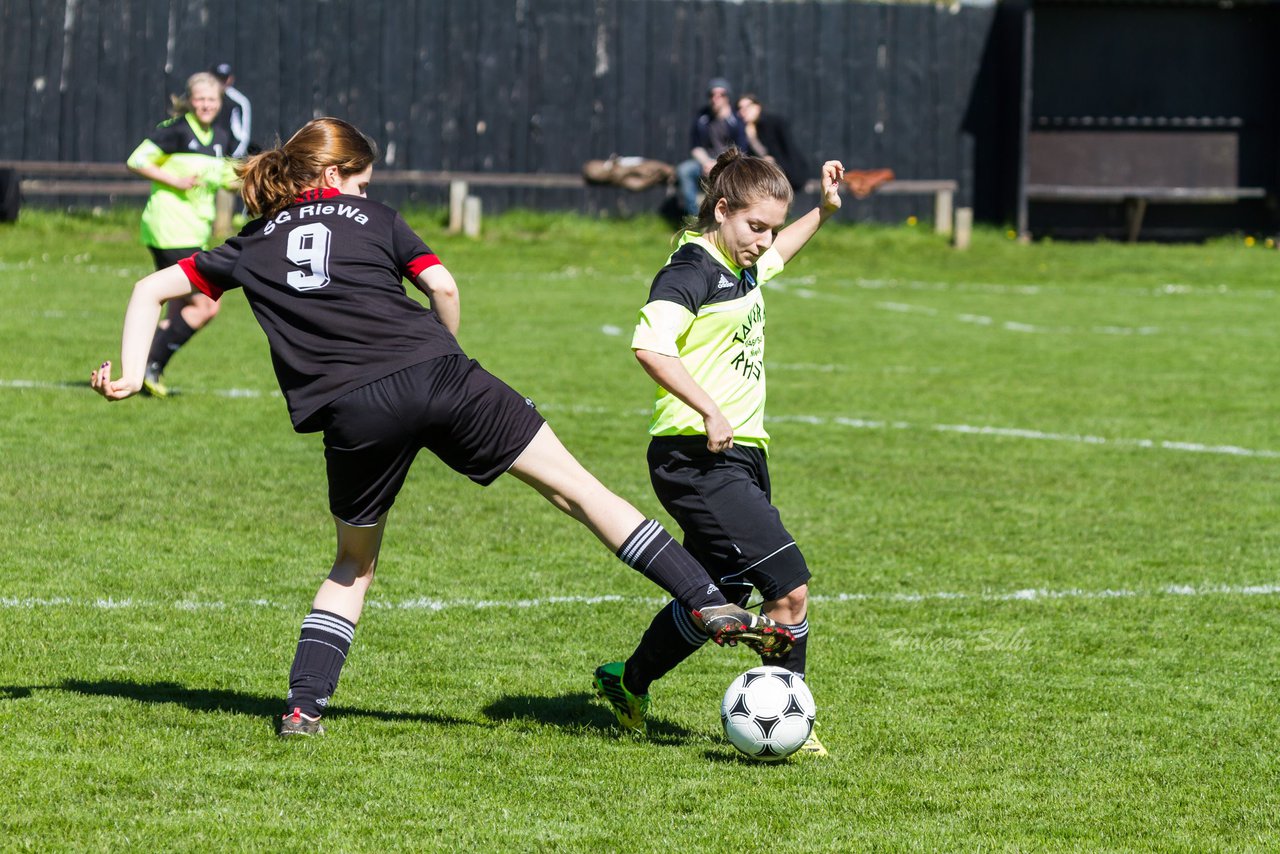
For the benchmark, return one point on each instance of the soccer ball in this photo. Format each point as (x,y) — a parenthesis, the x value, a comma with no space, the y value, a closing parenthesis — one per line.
(768,713)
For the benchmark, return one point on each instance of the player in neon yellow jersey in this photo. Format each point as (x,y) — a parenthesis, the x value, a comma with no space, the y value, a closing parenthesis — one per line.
(186,158)
(701,338)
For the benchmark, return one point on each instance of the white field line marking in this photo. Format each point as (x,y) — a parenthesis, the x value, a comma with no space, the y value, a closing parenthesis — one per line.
(979,319)
(84,386)
(1037,594)
(1020,433)
(1165,289)
(812,420)
(1169,289)
(1018,326)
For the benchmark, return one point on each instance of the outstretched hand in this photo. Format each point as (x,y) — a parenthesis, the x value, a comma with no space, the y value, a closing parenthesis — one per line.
(101,382)
(832,173)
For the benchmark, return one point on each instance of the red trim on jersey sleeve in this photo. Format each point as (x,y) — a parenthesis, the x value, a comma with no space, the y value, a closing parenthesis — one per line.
(315,194)
(197,279)
(422,262)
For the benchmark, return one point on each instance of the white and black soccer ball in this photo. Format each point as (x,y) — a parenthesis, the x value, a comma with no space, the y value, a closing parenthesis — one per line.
(768,713)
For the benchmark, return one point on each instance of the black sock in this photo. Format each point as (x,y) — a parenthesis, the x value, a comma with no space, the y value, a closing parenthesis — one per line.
(795,659)
(670,639)
(167,342)
(322,650)
(651,550)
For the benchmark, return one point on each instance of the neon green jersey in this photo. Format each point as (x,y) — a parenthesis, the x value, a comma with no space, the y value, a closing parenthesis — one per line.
(709,313)
(176,219)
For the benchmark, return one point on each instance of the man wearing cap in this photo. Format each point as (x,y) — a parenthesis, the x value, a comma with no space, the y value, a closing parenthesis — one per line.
(716,128)
(236,115)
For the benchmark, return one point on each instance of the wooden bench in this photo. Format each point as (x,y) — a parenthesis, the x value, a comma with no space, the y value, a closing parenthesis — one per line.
(52,178)
(943,191)
(55,178)
(1134,168)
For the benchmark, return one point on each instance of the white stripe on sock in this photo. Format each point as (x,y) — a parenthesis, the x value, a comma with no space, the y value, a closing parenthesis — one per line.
(329,625)
(799,629)
(641,540)
(692,635)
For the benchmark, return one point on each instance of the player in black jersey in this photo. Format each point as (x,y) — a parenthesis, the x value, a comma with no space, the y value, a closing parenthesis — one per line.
(382,377)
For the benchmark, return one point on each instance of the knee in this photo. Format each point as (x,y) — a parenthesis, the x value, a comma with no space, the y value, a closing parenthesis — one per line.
(791,607)
(198,314)
(349,569)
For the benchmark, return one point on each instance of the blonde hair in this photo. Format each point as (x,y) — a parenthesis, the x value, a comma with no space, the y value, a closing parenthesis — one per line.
(180,105)
(273,179)
(741,181)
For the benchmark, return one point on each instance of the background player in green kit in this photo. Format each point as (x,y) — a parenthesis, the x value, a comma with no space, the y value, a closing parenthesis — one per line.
(701,338)
(187,159)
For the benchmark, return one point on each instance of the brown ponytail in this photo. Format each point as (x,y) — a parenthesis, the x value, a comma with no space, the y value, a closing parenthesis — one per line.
(741,181)
(273,179)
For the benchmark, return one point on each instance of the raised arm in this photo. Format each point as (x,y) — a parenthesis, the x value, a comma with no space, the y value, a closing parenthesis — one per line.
(140,318)
(793,238)
(164,176)
(442,291)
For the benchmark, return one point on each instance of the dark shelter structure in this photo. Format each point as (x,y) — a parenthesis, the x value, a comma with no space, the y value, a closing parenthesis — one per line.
(1149,118)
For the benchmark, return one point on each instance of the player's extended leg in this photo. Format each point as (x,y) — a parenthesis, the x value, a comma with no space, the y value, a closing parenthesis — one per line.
(641,543)
(184,318)
(328,630)
(672,636)
(791,611)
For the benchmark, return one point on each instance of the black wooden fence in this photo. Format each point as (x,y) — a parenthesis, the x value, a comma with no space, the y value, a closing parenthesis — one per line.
(510,85)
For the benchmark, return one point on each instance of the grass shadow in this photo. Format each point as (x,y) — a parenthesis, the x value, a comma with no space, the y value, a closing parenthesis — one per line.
(209,699)
(577,711)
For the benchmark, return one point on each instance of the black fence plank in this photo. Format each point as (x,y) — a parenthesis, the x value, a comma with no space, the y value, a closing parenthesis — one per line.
(17,81)
(506,85)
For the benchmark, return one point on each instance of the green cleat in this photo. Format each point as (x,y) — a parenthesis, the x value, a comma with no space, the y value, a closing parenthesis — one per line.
(153,385)
(629,709)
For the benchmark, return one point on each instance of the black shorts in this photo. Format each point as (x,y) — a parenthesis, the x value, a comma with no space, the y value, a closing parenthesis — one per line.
(470,419)
(722,503)
(168,257)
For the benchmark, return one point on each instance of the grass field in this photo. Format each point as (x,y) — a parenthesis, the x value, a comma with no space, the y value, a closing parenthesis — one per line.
(1039,487)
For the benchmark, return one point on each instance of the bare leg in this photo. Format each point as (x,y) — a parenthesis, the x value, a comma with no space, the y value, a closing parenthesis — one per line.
(791,612)
(548,467)
(327,632)
(790,609)
(197,310)
(343,592)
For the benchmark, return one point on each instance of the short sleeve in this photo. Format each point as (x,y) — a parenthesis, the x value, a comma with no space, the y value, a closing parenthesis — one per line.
(211,272)
(412,255)
(661,326)
(769,265)
(146,153)
(682,282)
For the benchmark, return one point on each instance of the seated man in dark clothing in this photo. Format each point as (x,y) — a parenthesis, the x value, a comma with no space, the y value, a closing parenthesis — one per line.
(769,136)
(717,128)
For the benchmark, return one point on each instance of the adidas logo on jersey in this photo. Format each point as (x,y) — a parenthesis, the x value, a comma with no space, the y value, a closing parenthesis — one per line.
(725,282)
